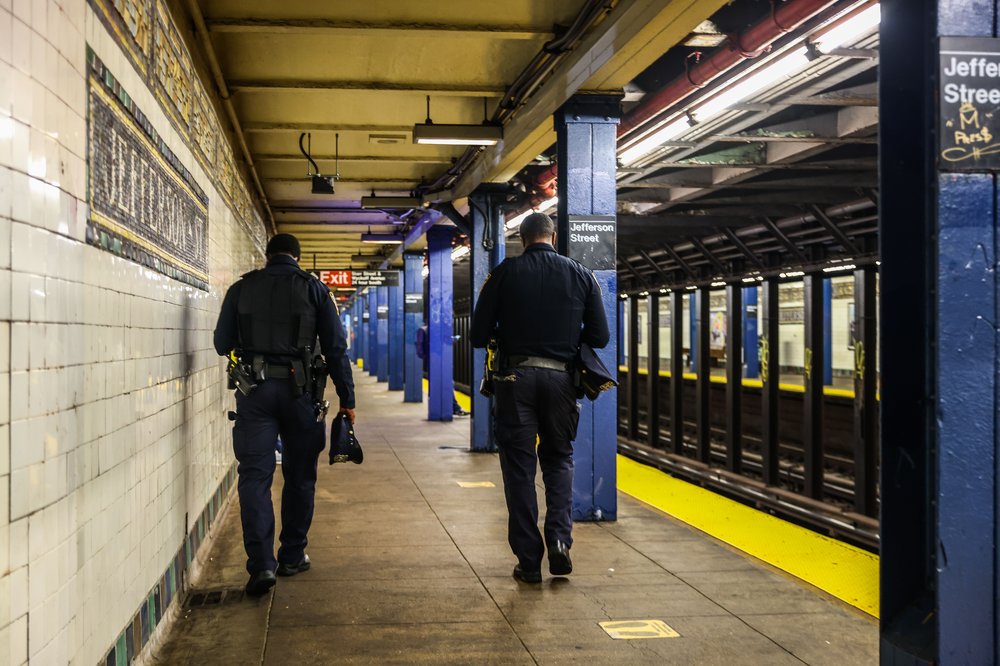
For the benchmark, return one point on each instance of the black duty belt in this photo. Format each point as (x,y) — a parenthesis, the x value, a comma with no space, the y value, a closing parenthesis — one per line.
(277,371)
(538,362)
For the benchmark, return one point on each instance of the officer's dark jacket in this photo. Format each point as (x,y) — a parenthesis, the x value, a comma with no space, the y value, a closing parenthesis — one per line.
(333,342)
(540,304)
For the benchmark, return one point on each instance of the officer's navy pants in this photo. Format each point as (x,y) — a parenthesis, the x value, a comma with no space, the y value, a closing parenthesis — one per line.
(538,402)
(270,409)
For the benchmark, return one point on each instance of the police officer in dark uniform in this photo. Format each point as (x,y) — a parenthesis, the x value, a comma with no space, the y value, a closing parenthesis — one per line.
(539,307)
(272,317)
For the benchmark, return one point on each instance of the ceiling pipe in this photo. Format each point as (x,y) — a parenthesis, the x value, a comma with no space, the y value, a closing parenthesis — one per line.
(735,49)
(227,103)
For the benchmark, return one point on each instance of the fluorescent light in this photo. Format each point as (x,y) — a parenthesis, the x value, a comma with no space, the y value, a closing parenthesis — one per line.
(850,30)
(384,239)
(750,279)
(425,271)
(791,274)
(457,135)
(540,208)
(663,291)
(654,140)
(842,267)
(459,252)
(718,284)
(391,202)
(767,76)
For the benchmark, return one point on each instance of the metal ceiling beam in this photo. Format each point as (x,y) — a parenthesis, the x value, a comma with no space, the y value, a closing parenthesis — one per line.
(655,222)
(835,231)
(423,88)
(326,127)
(716,264)
(409,159)
(620,47)
(679,261)
(333,27)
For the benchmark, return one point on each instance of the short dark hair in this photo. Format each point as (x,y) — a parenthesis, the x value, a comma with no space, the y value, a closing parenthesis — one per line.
(284,244)
(536,227)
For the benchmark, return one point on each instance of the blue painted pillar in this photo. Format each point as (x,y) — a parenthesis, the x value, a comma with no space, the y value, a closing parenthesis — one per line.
(751,354)
(693,325)
(355,331)
(827,332)
(440,312)
(488,248)
(413,319)
(396,350)
(939,297)
(371,361)
(382,334)
(586,128)
(620,327)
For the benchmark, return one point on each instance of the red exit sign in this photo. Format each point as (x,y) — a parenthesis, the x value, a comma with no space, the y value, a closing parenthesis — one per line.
(336,278)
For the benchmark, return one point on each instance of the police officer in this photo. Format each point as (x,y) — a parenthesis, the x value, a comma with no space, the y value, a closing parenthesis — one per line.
(273,317)
(539,307)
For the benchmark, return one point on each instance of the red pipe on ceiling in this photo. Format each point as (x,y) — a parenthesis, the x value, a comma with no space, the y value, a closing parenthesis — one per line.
(783,19)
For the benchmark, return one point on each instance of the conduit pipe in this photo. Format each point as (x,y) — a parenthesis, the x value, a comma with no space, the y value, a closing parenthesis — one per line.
(735,49)
(220,84)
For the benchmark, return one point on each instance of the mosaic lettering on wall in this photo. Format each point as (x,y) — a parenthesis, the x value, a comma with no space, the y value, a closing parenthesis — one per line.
(144,205)
(146,31)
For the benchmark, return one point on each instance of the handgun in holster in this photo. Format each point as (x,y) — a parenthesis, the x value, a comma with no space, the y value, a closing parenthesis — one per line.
(240,374)
(489,369)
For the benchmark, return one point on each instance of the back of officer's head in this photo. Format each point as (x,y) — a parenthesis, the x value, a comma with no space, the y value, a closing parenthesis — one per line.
(283,244)
(537,228)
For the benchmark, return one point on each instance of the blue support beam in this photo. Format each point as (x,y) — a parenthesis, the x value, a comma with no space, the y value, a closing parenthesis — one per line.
(751,354)
(420,227)
(586,141)
(371,361)
(396,350)
(827,332)
(939,301)
(382,334)
(413,319)
(441,310)
(488,248)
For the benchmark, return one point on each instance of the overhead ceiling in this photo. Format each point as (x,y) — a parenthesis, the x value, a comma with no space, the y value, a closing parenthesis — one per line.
(363,71)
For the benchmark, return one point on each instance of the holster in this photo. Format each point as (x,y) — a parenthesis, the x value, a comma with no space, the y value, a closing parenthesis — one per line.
(489,369)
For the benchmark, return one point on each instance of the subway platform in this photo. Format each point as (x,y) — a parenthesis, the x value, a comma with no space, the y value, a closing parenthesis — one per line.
(411,565)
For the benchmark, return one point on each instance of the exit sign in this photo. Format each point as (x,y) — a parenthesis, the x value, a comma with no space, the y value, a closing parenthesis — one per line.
(336,278)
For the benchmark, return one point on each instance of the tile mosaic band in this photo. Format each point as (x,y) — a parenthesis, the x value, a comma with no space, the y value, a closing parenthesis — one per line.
(136,634)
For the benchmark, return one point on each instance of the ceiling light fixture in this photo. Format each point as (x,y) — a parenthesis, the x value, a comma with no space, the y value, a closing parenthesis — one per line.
(374,201)
(765,76)
(486,134)
(320,184)
(516,221)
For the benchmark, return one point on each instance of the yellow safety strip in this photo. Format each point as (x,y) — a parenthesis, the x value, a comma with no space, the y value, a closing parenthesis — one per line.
(842,570)
(464,401)
(753,383)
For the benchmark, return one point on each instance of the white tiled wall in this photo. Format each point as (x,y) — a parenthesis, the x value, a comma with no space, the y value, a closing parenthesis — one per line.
(105,444)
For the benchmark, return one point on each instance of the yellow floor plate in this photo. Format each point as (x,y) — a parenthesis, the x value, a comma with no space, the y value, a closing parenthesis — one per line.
(464,401)
(636,629)
(846,572)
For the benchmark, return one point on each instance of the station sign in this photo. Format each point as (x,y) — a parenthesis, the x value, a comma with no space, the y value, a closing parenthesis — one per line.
(413,303)
(969,123)
(382,312)
(591,241)
(334,278)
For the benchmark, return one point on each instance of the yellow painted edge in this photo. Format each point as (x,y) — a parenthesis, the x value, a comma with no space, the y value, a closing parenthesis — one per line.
(464,401)
(361,363)
(753,383)
(844,571)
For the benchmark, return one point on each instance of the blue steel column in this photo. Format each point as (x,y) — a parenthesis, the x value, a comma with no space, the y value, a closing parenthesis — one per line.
(382,334)
(413,284)
(396,349)
(488,248)
(751,354)
(827,332)
(363,329)
(938,237)
(441,310)
(586,128)
(371,361)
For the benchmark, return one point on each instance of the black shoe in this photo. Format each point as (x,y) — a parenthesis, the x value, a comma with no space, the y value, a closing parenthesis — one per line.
(559,562)
(460,412)
(527,576)
(260,583)
(292,569)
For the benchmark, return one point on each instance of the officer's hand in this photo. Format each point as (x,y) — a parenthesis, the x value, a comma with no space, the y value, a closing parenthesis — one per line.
(349,413)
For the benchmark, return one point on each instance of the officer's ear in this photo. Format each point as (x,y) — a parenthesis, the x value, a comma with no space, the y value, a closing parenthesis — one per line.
(553,239)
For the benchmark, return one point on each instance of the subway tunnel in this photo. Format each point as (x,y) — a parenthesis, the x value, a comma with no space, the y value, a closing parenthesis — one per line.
(788,206)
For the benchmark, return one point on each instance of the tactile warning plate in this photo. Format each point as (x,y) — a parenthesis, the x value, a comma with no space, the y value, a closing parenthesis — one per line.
(476,484)
(635,629)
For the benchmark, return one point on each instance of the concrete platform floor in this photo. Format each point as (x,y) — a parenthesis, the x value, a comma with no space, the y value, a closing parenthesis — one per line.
(411,567)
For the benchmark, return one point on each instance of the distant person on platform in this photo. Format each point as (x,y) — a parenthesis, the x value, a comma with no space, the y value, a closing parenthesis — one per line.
(539,307)
(423,353)
(272,317)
